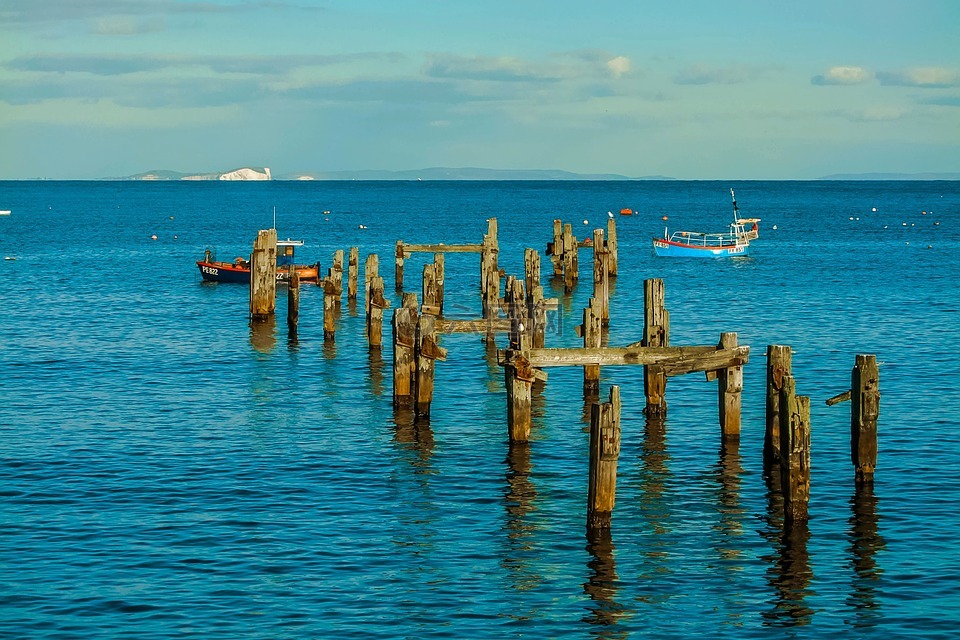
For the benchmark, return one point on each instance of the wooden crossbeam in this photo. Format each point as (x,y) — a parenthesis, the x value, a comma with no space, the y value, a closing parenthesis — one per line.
(447,325)
(440,248)
(674,360)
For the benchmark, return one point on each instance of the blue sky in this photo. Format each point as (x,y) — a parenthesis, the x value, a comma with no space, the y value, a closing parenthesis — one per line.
(698,89)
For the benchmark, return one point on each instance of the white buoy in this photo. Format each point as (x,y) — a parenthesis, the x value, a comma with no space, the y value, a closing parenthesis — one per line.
(874,209)
(774,227)
(585,222)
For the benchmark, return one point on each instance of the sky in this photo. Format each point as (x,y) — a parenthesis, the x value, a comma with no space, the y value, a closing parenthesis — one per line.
(690,89)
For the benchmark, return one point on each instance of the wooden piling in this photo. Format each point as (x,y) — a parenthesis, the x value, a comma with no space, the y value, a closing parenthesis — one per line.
(864,411)
(329,307)
(352,273)
(569,258)
(556,248)
(263,275)
(337,275)
(398,267)
(516,307)
(592,334)
(377,304)
(426,351)
(439,274)
(656,333)
(371,269)
(601,275)
(604,453)
(779,364)
(404,365)
(431,303)
(518,380)
(612,247)
(729,388)
(293,302)
(794,452)
(538,319)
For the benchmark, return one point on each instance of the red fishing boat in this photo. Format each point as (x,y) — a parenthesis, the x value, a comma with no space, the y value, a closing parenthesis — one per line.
(238,271)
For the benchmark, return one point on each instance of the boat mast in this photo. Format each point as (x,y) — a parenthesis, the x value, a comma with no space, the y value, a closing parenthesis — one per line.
(275,212)
(736,211)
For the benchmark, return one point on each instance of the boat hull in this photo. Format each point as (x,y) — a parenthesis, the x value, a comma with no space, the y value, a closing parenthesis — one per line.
(232,273)
(670,249)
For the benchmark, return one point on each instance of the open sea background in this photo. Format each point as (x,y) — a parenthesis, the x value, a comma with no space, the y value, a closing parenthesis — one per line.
(167,472)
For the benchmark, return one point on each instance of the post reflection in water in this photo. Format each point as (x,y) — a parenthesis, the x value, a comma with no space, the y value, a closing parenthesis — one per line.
(652,479)
(789,574)
(865,541)
(729,525)
(601,585)
(417,436)
(411,477)
(375,362)
(519,497)
(263,334)
(791,579)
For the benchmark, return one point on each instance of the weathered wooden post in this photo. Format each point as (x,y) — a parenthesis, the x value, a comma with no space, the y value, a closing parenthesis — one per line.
(352,273)
(592,334)
(864,411)
(569,258)
(377,304)
(612,247)
(438,261)
(293,302)
(516,307)
(538,319)
(263,275)
(729,388)
(426,351)
(371,269)
(604,453)
(329,307)
(404,364)
(398,267)
(794,452)
(601,275)
(656,333)
(779,364)
(518,380)
(431,303)
(337,274)
(556,248)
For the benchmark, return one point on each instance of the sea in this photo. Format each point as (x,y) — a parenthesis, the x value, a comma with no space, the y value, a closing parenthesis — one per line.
(169,471)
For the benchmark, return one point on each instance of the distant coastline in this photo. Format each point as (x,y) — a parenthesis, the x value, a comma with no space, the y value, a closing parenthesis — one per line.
(474,174)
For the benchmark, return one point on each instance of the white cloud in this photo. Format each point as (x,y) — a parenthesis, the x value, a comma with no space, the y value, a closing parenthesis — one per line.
(842,76)
(618,66)
(927,77)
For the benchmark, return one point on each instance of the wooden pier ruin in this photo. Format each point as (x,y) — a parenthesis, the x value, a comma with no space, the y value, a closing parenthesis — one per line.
(520,313)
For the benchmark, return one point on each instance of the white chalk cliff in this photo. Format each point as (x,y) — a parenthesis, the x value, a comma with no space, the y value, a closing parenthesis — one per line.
(247,174)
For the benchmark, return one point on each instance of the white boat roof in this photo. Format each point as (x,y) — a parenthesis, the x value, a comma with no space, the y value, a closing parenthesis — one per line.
(748,220)
(289,243)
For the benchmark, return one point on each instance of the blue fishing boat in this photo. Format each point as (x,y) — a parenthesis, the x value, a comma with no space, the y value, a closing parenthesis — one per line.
(694,244)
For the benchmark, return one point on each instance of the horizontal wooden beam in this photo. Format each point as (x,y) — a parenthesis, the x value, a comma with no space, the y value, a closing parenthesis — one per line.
(446,325)
(841,397)
(441,248)
(674,360)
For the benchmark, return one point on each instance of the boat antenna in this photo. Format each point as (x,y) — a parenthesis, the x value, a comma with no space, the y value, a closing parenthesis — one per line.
(736,211)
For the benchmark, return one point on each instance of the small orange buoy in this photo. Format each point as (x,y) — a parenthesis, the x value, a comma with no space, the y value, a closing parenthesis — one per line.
(664,218)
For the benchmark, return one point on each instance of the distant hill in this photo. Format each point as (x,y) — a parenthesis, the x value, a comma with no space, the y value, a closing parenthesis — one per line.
(892,176)
(463,173)
(244,173)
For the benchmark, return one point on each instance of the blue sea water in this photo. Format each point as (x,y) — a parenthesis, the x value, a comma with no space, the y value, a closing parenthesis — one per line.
(166,471)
